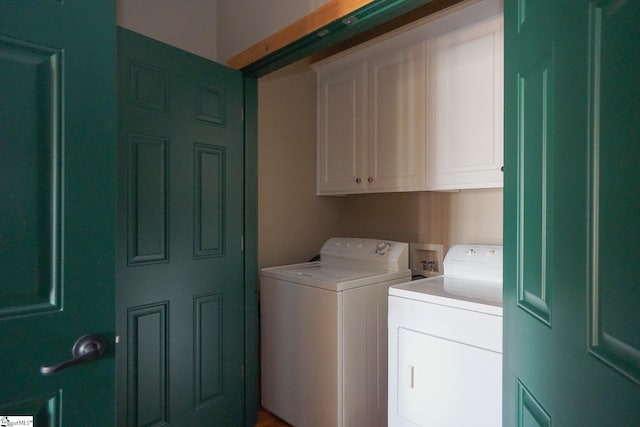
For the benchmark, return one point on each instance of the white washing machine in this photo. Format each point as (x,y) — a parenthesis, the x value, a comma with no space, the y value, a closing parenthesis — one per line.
(445,344)
(324,334)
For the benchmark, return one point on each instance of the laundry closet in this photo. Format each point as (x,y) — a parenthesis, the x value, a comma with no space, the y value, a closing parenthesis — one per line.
(373,142)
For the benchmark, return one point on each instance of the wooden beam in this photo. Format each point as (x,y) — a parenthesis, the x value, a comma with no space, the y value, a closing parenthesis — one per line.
(324,15)
(418,13)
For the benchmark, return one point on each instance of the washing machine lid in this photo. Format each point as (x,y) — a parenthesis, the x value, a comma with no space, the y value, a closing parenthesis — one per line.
(483,296)
(332,277)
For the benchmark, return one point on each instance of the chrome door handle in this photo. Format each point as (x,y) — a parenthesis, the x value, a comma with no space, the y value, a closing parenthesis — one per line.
(86,349)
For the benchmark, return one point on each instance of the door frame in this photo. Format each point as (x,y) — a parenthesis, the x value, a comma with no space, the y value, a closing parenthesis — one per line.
(251,326)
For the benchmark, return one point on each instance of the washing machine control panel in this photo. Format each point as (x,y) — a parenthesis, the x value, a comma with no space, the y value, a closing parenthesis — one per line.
(378,254)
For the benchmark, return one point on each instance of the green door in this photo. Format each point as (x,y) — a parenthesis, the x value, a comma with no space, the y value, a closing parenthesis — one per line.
(57,208)
(180,292)
(572,213)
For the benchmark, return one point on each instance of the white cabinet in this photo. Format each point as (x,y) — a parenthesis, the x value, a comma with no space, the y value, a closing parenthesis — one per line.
(419,109)
(466,81)
(396,144)
(371,122)
(341,128)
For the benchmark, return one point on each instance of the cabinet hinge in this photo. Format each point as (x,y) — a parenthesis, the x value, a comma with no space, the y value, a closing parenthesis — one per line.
(242,243)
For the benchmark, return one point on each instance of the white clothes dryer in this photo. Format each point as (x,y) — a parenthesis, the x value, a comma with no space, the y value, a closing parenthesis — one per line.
(324,334)
(445,344)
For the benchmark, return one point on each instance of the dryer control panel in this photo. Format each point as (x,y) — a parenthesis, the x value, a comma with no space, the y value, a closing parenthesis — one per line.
(478,262)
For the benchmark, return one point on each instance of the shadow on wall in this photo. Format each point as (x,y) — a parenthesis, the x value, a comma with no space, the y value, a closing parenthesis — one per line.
(293,222)
(447,218)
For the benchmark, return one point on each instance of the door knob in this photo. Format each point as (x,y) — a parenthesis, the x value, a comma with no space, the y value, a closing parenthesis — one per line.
(86,349)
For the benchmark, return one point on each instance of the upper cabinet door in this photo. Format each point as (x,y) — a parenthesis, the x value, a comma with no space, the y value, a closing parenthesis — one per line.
(341,127)
(397,117)
(371,120)
(466,147)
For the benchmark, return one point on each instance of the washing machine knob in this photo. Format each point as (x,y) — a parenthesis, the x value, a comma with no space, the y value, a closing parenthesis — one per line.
(382,248)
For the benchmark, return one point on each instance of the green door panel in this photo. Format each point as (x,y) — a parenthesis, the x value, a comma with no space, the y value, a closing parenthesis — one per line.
(614,204)
(572,235)
(57,207)
(180,260)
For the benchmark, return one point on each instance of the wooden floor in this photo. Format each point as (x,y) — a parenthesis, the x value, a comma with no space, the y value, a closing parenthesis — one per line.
(266,419)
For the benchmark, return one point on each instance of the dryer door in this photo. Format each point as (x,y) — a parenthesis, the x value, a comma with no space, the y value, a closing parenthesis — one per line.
(445,365)
(446,383)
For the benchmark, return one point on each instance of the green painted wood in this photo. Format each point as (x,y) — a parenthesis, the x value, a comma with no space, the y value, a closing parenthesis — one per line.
(57,206)
(361,20)
(614,155)
(180,263)
(571,234)
(251,315)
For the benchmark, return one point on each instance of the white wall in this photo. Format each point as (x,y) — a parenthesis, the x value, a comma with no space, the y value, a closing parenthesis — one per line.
(190,25)
(292,222)
(243,23)
(214,29)
(446,218)
(475,216)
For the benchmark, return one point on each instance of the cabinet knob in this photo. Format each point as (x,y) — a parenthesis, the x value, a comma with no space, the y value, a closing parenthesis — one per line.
(370,179)
(501,168)
(358,180)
